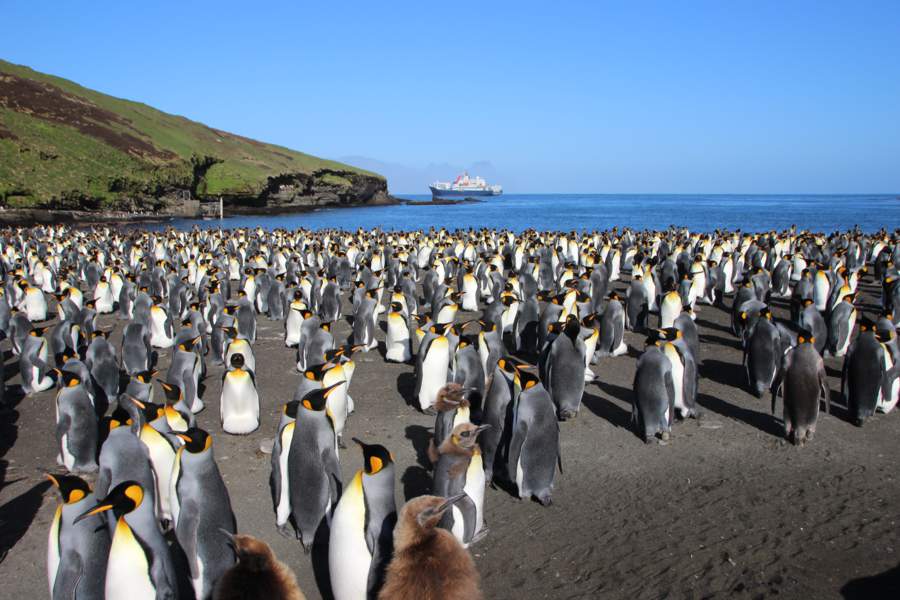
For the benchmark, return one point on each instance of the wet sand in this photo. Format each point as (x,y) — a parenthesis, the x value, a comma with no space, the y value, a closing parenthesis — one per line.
(725,510)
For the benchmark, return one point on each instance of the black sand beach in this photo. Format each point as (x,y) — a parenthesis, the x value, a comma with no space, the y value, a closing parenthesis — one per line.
(726,509)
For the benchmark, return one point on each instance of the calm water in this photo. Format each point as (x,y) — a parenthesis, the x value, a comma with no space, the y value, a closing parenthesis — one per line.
(599,211)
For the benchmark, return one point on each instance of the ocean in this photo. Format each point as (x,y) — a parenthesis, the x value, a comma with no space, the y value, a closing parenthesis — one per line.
(566,212)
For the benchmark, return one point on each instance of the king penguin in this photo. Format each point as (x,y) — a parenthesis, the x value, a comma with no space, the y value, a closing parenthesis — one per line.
(361,540)
(76,552)
(76,425)
(134,569)
(418,540)
(460,470)
(239,404)
(534,452)
(802,379)
(314,474)
(432,366)
(201,511)
(653,405)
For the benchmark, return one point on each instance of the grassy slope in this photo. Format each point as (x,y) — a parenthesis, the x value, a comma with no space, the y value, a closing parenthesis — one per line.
(61,159)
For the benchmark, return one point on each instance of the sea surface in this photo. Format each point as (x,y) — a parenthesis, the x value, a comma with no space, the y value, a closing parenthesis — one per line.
(581,212)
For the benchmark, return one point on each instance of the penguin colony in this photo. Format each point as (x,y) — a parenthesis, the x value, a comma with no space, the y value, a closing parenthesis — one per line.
(542,322)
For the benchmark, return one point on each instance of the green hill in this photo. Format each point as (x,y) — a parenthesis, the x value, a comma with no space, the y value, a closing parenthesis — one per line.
(68,147)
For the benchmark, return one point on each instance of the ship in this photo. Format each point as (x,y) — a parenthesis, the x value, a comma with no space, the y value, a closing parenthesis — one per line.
(464,187)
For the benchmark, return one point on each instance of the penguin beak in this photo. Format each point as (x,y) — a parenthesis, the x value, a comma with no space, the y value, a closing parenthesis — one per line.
(449,502)
(481,428)
(137,402)
(96,510)
(229,535)
(331,388)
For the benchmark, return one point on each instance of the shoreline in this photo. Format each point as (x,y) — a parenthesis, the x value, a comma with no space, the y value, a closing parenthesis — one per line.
(29,217)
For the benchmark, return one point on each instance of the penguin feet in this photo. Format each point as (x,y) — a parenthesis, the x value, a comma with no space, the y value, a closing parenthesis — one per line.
(566,414)
(478,536)
(266,445)
(287,531)
(340,442)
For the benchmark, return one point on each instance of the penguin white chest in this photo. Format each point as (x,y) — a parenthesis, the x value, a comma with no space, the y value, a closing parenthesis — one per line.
(677,376)
(434,371)
(127,570)
(348,554)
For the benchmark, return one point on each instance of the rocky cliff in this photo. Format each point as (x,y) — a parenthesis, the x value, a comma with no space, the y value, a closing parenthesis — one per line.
(66,148)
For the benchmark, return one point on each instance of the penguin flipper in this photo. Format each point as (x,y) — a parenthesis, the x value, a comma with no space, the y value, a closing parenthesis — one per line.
(187,532)
(670,391)
(520,433)
(469,513)
(68,574)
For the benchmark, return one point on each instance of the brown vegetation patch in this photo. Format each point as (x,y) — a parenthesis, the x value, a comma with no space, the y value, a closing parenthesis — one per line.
(50,103)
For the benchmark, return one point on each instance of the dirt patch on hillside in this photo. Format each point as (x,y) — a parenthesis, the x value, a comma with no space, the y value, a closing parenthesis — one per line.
(50,103)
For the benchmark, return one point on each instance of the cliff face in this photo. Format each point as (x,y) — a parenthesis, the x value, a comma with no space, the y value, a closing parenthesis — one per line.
(303,191)
(64,147)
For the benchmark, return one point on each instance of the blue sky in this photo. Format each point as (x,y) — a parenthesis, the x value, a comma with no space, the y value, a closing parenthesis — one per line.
(752,97)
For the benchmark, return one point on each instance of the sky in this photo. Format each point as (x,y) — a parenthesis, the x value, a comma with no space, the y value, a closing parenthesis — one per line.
(579,97)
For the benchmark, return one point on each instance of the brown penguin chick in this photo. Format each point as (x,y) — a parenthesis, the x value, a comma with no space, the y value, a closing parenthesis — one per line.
(256,574)
(429,563)
(449,398)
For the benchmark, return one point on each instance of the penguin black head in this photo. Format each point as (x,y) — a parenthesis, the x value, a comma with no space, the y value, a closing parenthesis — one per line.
(506,366)
(237,360)
(527,378)
(572,327)
(487,327)
(669,334)
(804,336)
(317,372)
(439,328)
(71,488)
(884,336)
(69,378)
(396,307)
(150,410)
(172,392)
(326,326)
(188,345)
(298,295)
(145,376)
(122,499)
(37,331)
(866,324)
(316,399)
(290,409)
(196,440)
(375,457)
(509,300)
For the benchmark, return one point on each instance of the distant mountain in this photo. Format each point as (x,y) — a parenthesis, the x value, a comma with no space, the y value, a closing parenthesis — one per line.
(68,147)
(404,179)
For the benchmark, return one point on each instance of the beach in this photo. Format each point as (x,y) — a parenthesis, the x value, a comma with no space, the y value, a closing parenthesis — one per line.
(726,509)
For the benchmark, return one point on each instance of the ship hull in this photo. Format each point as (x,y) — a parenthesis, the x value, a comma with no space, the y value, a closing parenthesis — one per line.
(437,193)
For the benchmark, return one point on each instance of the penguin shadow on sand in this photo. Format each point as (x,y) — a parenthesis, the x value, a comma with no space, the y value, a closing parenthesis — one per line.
(726,373)
(406,386)
(883,585)
(17,514)
(761,420)
(416,479)
(706,338)
(319,557)
(606,409)
(715,326)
